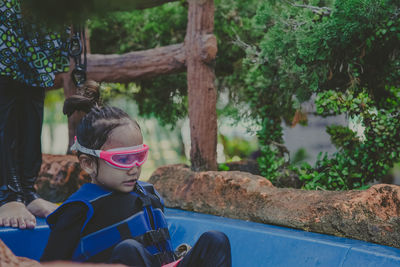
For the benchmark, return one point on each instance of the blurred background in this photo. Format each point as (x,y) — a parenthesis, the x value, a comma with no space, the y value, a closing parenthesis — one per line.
(168,145)
(308,89)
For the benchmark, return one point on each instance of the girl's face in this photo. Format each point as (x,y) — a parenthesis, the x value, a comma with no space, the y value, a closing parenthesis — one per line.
(123,180)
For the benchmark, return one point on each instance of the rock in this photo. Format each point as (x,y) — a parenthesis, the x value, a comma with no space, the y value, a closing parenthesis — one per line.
(59,177)
(372,215)
(8,259)
(76,264)
(223,193)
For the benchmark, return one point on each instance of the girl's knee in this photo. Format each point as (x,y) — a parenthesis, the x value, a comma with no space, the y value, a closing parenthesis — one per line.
(127,246)
(216,237)
(127,252)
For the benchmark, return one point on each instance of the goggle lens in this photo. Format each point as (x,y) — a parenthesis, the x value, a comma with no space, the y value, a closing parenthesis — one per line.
(130,159)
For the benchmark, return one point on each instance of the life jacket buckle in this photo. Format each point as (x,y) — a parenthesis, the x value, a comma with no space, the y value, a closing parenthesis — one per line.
(145,201)
(156,236)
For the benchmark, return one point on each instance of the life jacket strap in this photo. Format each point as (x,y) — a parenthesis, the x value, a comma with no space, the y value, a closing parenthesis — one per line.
(133,227)
(146,201)
(165,257)
(153,237)
(124,231)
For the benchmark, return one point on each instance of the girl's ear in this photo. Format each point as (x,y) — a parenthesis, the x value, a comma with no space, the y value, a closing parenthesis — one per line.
(88,165)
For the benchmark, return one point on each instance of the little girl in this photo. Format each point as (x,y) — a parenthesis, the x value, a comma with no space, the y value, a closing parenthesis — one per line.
(116,218)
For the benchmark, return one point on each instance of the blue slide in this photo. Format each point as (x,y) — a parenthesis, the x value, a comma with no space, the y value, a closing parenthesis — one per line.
(253,244)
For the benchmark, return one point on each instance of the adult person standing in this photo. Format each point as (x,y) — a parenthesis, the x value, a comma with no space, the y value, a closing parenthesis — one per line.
(29,59)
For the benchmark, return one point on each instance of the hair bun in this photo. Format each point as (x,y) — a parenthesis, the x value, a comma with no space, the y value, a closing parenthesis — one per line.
(91,90)
(87,98)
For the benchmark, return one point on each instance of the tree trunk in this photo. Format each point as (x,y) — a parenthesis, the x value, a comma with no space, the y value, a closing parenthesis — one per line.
(202,93)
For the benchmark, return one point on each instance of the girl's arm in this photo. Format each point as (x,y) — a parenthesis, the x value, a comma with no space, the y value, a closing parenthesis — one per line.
(65,234)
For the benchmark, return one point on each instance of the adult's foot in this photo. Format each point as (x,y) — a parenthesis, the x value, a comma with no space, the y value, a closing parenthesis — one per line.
(15,214)
(41,208)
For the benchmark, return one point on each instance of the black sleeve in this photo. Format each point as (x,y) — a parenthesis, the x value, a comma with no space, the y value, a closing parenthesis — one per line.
(65,234)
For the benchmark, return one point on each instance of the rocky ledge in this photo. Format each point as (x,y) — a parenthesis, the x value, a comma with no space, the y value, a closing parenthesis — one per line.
(371,215)
(59,177)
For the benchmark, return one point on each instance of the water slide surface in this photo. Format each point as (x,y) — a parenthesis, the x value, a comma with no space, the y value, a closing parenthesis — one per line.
(253,244)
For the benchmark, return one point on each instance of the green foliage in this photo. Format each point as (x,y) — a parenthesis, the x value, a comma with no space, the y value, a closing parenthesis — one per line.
(347,52)
(273,55)
(223,167)
(299,157)
(236,148)
(59,13)
(165,97)
(53,104)
(342,137)
(123,32)
(359,161)
(271,161)
(169,108)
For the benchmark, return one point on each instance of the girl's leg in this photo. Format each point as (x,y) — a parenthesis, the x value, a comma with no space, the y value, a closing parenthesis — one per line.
(130,252)
(12,208)
(211,250)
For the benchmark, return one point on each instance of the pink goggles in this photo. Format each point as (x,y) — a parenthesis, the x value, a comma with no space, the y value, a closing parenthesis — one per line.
(122,158)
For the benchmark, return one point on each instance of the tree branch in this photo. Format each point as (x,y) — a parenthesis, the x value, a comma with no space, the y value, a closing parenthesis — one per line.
(137,65)
(315,9)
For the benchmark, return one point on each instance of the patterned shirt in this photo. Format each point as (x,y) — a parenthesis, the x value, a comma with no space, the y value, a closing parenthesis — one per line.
(28,54)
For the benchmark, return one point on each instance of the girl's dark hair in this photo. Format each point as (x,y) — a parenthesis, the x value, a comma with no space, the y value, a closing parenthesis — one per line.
(95,127)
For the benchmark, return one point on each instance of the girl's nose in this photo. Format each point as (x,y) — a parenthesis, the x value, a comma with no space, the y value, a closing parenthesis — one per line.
(133,170)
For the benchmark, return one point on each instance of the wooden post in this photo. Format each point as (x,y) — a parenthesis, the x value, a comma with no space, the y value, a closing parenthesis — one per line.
(69,90)
(202,93)
(64,80)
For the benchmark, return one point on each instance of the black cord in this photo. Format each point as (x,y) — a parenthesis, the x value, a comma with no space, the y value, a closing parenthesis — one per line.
(77,46)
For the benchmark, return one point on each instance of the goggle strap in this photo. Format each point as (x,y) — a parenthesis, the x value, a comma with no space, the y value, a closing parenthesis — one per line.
(78,147)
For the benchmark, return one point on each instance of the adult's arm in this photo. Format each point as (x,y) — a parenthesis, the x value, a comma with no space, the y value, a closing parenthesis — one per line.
(65,234)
